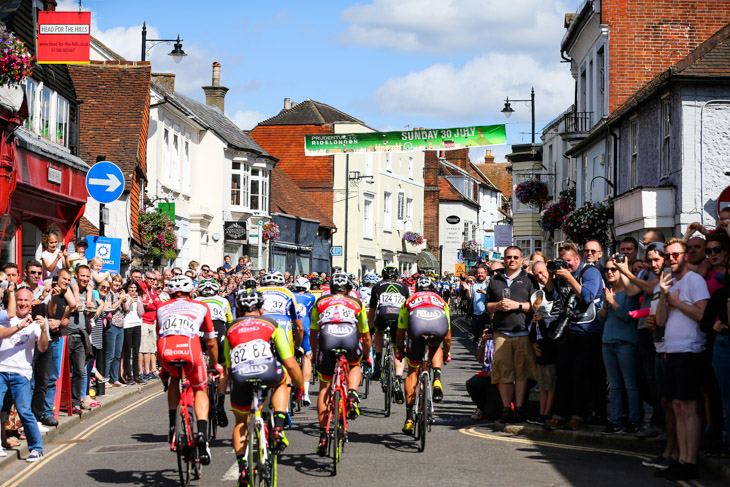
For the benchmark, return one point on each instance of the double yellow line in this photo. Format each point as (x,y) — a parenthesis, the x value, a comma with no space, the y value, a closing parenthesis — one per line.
(473,432)
(31,469)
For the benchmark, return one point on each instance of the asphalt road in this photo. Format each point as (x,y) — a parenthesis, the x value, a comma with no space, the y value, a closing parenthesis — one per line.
(127,446)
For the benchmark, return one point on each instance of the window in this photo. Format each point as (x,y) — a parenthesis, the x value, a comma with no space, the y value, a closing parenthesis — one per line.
(175,176)
(45,112)
(240,176)
(369,164)
(367,223)
(465,232)
(401,206)
(524,245)
(30,91)
(259,190)
(634,144)
(389,161)
(410,167)
(166,155)
(601,61)
(387,211)
(409,209)
(666,132)
(61,135)
(520,207)
(186,166)
(583,90)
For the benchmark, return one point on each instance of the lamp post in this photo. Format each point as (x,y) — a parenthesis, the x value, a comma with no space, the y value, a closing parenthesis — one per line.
(508,110)
(177,53)
(351,176)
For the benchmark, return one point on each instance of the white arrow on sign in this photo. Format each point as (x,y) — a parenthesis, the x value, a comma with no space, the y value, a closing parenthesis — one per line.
(111,183)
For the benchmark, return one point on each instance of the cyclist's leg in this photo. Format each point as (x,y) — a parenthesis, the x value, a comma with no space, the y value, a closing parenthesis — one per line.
(400,365)
(306,365)
(378,350)
(241,399)
(415,352)
(436,355)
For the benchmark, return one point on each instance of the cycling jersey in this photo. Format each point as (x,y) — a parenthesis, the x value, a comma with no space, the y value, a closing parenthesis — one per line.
(338,318)
(305,303)
(352,293)
(220,312)
(178,324)
(255,346)
(281,305)
(386,298)
(365,293)
(424,313)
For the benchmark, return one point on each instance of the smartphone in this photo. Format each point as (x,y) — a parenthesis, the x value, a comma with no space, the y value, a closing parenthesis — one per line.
(54,281)
(63,247)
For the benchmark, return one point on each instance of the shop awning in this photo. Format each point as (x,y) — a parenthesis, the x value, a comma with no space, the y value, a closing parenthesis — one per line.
(427,261)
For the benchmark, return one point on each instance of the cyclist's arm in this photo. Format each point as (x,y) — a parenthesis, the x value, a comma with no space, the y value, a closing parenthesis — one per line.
(209,335)
(447,338)
(362,326)
(284,351)
(314,329)
(227,353)
(296,320)
(400,337)
(229,316)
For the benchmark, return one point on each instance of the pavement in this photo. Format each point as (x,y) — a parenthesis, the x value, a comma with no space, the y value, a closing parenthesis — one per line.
(112,397)
(591,435)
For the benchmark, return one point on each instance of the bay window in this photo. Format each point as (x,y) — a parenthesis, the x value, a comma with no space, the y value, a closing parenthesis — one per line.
(249,188)
(48,113)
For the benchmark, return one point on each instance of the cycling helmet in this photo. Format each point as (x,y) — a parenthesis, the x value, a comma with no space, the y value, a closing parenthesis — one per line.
(339,282)
(390,272)
(370,280)
(425,283)
(314,282)
(180,284)
(250,283)
(274,278)
(301,284)
(208,287)
(250,300)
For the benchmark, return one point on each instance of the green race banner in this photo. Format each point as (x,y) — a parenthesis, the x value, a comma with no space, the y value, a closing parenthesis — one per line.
(405,141)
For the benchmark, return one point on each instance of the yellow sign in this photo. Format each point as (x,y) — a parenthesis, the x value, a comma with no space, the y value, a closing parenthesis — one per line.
(460,270)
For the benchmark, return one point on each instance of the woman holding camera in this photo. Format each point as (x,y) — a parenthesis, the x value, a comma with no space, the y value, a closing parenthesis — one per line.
(620,352)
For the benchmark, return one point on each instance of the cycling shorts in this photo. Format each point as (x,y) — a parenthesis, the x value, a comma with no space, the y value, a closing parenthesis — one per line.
(435,324)
(416,346)
(387,321)
(337,336)
(220,337)
(242,386)
(180,347)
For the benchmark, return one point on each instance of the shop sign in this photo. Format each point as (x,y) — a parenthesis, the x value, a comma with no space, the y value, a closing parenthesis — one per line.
(54,175)
(502,235)
(64,37)
(108,249)
(453,220)
(405,141)
(723,200)
(234,232)
(168,209)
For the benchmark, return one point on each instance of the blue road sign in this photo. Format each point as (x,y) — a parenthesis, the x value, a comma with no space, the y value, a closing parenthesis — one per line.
(109,249)
(105,182)
(336,251)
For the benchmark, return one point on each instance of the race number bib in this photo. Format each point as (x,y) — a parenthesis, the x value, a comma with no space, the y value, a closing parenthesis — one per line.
(391,299)
(274,305)
(217,313)
(178,325)
(301,311)
(251,352)
(337,314)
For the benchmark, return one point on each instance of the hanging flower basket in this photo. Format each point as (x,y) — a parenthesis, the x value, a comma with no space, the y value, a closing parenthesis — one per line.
(15,60)
(413,238)
(270,231)
(533,193)
(158,233)
(554,215)
(589,222)
(470,246)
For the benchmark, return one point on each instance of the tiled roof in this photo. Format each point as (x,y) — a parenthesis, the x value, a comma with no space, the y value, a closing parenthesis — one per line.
(480,176)
(499,175)
(448,192)
(288,198)
(114,106)
(310,112)
(709,59)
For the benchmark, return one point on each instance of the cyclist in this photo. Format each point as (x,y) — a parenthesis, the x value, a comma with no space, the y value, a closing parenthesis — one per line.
(366,289)
(314,286)
(305,303)
(281,305)
(338,321)
(385,301)
(178,323)
(220,313)
(256,348)
(423,313)
(249,284)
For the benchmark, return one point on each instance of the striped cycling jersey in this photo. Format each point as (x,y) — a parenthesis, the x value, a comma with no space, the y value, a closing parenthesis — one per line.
(305,303)
(421,300)
(220,308)
(281,306)
(338,308)
(254,339)
(184,317)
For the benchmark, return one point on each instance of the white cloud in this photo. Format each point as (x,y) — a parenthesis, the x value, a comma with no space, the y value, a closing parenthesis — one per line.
(247,119)
(439,26)
(476,91)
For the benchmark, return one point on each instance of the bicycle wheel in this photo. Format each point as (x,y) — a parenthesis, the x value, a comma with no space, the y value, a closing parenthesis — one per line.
(335,431)
(252,448)
(182,447)
(423,415)
(366,378)
(388,385)
(429,404)
(193,457)
(213,411)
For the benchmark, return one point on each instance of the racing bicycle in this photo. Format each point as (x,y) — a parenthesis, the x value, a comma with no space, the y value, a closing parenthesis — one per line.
(261,454)
(388,379)
(336,427)
(184,440)
(423,407)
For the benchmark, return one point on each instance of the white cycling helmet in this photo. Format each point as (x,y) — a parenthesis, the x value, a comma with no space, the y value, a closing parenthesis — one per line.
(180,284)
(273,277)
(208,287)
(371,279)
(301,284)
(425,283)
(250,301)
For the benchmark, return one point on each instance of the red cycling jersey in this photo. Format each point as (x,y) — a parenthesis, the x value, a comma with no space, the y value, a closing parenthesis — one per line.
(178,323)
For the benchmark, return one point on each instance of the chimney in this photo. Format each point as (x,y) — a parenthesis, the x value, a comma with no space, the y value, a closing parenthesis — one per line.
(287,103)
(165,80)
(488,157)
(293,104)
(215,94)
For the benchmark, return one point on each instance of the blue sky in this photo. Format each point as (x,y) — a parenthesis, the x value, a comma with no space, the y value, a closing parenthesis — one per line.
(390,63)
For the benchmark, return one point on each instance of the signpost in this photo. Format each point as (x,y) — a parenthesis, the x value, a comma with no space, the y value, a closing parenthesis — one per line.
(105,182)
(259,230)
(108,249)
(502,235)
(336,251)
(460,270)
(64,37)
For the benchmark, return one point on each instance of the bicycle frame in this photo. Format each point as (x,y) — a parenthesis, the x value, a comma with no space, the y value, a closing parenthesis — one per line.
(183,440)
(388,369)
(336,413)
(424,412)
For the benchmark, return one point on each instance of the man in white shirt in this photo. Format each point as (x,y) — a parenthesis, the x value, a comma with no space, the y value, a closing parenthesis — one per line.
(19,335)
(682,301)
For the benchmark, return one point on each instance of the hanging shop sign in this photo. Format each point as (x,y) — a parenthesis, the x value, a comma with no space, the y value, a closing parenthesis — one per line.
(64,37)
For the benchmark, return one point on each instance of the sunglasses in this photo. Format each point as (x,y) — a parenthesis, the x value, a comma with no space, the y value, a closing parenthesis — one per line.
(611,269)
(104,288)
(674,255)
(151,278)
(177,273)
(714,250)
(590,251)
(512,257)
(35,273)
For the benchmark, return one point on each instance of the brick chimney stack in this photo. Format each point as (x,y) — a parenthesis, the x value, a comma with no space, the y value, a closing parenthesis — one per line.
(488,157)
(215,94)
(287,103)
(165,80)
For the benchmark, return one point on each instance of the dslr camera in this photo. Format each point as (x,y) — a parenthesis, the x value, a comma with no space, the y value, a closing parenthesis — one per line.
(620,258)
(555,264)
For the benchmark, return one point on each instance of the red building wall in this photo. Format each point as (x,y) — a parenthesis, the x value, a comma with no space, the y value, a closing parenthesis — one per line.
(648,36)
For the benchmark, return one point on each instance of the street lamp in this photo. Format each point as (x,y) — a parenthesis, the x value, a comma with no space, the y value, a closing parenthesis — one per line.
(508,110)
(177,53)
(351,176)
